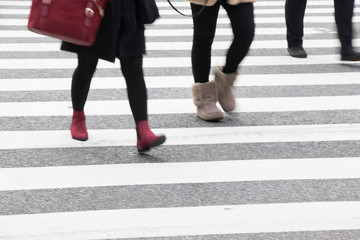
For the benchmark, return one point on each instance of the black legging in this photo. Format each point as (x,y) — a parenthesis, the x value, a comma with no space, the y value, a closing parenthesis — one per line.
(243,26)
(133,72)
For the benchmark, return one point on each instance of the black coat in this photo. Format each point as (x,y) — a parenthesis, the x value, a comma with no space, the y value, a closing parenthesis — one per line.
(121,32)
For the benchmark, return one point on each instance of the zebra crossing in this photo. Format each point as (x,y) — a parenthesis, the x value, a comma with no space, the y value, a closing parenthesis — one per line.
(284,165)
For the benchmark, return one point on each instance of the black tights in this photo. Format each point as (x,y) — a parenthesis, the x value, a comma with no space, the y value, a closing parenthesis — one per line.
(243,26)
(133,72)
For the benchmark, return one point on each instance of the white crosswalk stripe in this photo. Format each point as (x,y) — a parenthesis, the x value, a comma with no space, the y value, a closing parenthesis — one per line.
(186,136)
(181,221)
(166,106)
(170,173)
(169,62)
(284,165)
(158,46)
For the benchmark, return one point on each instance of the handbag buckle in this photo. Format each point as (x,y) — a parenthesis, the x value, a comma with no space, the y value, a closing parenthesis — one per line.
(89,12)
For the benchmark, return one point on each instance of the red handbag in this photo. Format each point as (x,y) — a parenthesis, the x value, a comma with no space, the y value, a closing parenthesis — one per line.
(74,21)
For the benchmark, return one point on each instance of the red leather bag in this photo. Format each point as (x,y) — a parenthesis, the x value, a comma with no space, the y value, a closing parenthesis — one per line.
(74,21)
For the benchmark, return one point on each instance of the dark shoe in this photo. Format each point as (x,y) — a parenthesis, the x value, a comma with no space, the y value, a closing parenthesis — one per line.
(297,52)
(78,126)
(350,55)
(146,139)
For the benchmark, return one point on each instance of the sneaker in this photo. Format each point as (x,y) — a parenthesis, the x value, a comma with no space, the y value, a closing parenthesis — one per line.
(297,52)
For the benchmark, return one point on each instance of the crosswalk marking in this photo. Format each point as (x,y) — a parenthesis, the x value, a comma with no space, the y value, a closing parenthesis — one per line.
(159,46)
(175,32)
(174,173)
(171,12)
(185,136)
(186,221)
(167,62)
(171,21)
(166,106)
(253,80)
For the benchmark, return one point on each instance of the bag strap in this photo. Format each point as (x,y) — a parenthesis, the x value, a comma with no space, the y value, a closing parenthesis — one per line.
(101,6)
(190,15)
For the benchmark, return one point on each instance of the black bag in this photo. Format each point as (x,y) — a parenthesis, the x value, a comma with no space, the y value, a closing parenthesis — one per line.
(147,11)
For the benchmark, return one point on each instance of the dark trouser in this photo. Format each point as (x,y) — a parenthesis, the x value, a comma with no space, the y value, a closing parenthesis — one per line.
(133,73)
(344,10)
(243,26)
(294,16)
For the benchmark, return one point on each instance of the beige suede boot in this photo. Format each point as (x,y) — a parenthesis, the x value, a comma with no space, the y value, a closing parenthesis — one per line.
(224,85)
(204,96)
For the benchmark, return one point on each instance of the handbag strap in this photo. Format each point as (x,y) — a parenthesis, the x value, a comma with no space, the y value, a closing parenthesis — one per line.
(101,6)
(190,15)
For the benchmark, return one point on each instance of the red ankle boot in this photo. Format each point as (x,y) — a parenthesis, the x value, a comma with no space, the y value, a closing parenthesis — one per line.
(78,126)
(146,139)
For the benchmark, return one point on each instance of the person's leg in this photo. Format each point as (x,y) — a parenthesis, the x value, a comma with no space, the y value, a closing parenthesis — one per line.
(204,91)
(294,18)
(81,81)
(344,11)
(204,31)
(243,26)
(80,86)
(343,17)
(132,69)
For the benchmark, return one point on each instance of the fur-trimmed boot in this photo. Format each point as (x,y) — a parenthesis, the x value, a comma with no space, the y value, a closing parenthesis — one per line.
(224,85)
(146,139)
(204,97)
(78,126)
